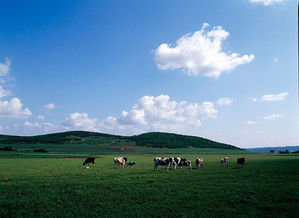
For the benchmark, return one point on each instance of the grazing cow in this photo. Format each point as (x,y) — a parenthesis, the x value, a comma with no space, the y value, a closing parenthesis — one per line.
(160,161)
(224,161)
(171,163)
(130,164)
(164,161)
(240,162)
(199,162)
(178,160)
(185,163)
(86,167)
(89,160)
(121,161)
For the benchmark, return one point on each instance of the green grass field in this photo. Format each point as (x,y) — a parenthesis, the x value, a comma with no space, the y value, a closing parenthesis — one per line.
(55,185)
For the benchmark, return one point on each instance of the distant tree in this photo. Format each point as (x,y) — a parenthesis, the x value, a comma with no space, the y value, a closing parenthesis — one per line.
(272,151)
(40,150)
(284,152)
(7,148)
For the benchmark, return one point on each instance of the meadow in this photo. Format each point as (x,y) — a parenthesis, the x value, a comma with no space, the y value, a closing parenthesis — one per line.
(55,185)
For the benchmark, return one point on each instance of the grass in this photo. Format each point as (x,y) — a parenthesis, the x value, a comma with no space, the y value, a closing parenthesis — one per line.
(52,185)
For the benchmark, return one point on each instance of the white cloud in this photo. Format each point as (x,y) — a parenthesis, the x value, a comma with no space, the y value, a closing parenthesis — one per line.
(224,101)
(4,92)
(40,117)
(13,109)
(5,67)
(253,100)
(29,124)
(4,70)
(200,53)
(266,2)
(149,114)
(161,114)
(272,116)
(44,126)
(81,121)
(251,122)
(276,60)
(274,97)
(50,106)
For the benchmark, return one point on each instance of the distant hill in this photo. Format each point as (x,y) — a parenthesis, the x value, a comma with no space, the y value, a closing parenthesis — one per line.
(152,139)
(170,140)
(276,149)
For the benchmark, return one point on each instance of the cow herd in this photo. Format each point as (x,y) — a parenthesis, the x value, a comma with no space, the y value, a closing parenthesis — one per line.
(171,163)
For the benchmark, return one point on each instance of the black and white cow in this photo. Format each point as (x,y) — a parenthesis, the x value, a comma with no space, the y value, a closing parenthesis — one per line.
(89,160)
(169,162)
(130,164)
(185,163)
(224,161)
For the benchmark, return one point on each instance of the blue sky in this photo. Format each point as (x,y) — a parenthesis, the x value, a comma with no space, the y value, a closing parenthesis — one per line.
(221,69)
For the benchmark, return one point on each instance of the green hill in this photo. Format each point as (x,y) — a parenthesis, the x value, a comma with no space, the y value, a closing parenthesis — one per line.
(152,139)
(170,140)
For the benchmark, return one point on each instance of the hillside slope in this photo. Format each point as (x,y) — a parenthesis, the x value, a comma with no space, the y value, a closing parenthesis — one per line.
(152,139)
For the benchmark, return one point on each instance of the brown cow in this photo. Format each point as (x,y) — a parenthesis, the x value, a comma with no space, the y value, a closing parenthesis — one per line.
(240,162)
(199,162)
(121,161)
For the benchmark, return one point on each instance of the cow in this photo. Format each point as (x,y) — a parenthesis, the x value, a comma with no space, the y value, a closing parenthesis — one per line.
(183,162)
(121,161)
(86,167)
(187,163)
(164,161)
(89,160)
(199,162)
(240,162)
(224,161)
(178,160)
(172,164)
(130,164)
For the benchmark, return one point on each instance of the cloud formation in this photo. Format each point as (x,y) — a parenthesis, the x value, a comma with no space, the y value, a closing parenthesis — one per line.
(13,108)
(50,106)
(224,101)
(272,116)
(149,114)
(44,126)
(251,122)
(274,97)
(40,117)
(200,53)
(5,67)
(4,92)
(266,2)
(81,121)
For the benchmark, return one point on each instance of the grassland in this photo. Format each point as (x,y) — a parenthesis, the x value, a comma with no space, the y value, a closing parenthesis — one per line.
(55,185)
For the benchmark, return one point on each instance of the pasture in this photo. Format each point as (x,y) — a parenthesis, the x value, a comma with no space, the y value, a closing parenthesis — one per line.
(55,185)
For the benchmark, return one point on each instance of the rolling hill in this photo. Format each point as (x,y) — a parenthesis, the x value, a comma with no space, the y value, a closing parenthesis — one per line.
(151,139)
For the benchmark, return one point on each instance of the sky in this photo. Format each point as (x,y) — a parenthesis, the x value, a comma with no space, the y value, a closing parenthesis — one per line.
(220,69)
